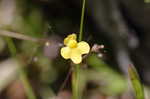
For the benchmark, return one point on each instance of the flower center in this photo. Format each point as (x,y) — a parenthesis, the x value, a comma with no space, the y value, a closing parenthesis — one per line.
(72,43)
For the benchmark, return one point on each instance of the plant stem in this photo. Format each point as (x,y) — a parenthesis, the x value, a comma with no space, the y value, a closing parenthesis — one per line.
(75,82)
(76,72)
(17,35)
(23,76)
(82,21)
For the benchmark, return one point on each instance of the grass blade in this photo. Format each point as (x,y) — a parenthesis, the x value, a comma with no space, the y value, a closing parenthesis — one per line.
(136,83)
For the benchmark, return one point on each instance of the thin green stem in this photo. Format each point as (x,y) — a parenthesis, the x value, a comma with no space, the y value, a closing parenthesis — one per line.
(75,82)
(23,75)
(76,72)
(82,21)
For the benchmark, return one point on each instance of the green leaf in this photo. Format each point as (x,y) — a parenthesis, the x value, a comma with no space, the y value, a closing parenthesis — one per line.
(136,83)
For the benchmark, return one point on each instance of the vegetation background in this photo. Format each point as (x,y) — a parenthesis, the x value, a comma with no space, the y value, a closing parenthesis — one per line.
(32,32)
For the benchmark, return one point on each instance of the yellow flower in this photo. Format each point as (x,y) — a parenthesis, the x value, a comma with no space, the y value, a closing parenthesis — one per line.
(73,49)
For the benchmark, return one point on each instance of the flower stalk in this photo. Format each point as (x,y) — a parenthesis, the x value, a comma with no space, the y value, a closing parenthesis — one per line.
(82,21)
(75,75)
(75,82)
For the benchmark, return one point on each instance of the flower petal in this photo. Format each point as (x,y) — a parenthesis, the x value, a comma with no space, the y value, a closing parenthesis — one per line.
(72,36)
(65,52)
(83,47)
(76,56)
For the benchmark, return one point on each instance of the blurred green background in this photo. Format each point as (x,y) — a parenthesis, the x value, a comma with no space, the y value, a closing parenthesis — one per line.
(32,33)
